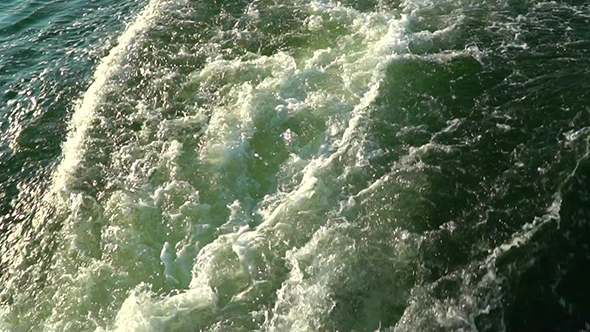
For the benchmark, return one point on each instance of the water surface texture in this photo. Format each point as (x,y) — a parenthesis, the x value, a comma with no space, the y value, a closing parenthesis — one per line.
(294,165)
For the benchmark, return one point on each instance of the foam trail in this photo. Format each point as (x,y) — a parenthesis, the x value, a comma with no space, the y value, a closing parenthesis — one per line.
(245,267)
(85,113)
(33,250)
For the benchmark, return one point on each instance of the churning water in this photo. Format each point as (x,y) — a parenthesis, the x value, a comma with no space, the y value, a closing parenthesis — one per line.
(295,165)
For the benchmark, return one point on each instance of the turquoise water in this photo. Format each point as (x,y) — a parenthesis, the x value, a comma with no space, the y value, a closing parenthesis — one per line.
(294,165)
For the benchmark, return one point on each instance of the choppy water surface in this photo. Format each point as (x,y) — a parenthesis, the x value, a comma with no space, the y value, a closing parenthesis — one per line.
(295,165)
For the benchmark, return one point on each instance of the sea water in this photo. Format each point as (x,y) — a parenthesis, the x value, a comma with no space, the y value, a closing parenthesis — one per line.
(294,165)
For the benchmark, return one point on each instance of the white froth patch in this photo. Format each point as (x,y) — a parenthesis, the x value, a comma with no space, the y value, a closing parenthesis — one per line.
(331,82)
(337,84)
(85,111)
(142,311)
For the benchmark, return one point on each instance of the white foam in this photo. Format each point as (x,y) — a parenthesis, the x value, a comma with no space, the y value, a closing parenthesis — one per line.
(142,311)
(85,111)
(335,84)
(167,256)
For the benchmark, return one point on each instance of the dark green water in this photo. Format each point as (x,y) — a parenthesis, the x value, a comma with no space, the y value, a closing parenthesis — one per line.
(295,165)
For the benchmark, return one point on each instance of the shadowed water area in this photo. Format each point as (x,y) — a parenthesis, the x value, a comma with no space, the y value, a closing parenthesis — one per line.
(294,165)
